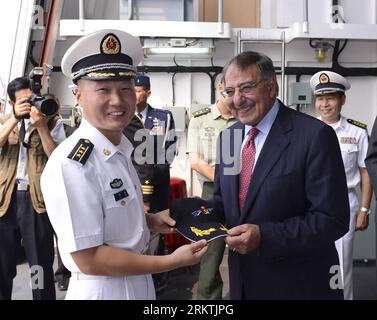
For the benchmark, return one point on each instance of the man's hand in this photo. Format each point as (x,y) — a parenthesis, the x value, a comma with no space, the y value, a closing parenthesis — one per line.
(147,207)
(21,108)
(243,238)
(160,222)
(362,221)
(189,254)
(37,118)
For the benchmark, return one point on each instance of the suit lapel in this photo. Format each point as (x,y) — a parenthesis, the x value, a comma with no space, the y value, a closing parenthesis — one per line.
(276,142)
(149,119)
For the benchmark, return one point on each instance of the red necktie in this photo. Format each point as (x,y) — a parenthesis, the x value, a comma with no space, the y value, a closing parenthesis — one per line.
(248,159)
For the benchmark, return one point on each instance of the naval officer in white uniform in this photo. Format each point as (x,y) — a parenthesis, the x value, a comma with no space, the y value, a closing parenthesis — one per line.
(329,91)
(90,187)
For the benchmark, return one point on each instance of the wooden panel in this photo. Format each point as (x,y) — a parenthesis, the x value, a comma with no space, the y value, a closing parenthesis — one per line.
(239,13)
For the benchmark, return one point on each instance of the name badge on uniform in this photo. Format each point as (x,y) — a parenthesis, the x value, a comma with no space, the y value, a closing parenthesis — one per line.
(121,195)
(348,140)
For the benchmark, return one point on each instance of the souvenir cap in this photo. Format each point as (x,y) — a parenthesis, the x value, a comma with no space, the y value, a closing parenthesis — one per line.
(196,220)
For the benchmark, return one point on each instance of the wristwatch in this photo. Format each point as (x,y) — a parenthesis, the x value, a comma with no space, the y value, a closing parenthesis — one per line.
(365,210)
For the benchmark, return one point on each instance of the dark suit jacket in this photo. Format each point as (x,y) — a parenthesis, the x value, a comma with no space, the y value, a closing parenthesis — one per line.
(298,197)
(165,140)
(145,170)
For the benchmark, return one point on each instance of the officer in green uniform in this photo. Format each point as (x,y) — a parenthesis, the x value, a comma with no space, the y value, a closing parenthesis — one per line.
(204,128)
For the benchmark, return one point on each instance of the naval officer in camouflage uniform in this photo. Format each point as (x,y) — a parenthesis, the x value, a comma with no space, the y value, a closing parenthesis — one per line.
(204,128)
(329,90)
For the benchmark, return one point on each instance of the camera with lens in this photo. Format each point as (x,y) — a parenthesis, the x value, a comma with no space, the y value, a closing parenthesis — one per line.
(47,106)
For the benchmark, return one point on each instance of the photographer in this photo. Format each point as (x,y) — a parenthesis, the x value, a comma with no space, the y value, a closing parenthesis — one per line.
(27,138)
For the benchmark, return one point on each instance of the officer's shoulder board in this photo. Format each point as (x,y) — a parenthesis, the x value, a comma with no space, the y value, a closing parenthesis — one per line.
(357,123)
(81,151)
(201,112)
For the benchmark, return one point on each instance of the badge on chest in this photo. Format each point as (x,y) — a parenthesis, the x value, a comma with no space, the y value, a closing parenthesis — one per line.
(348,140)
(121,195)
(158,127)
(117,183)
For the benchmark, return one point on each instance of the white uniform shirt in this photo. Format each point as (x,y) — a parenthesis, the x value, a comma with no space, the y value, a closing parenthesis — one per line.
(57,134)
(83,201)
(353,142)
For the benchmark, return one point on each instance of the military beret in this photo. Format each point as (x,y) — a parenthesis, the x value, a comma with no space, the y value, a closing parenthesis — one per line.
(196,220)
(142,80)
(325,82)
(103,55)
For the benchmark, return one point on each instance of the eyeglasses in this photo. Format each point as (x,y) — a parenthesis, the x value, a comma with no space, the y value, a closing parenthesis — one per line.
(245,88)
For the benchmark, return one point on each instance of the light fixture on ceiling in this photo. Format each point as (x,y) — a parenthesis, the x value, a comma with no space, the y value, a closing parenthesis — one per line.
(179,47)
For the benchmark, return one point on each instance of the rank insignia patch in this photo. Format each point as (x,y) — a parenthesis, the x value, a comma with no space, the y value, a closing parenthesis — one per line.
(81,151)
(201,112)
(116,184)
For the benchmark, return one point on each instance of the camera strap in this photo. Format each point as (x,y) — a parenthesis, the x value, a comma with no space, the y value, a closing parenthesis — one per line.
(23,133)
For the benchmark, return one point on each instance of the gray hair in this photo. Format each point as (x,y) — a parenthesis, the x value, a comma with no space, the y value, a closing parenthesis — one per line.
(249,58)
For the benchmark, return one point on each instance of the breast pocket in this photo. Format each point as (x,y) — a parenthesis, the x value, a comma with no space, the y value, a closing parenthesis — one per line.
(123,216)
(207,145)
(349,155)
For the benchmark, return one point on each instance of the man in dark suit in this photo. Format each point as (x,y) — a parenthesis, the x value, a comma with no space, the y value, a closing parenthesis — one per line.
(281,187)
